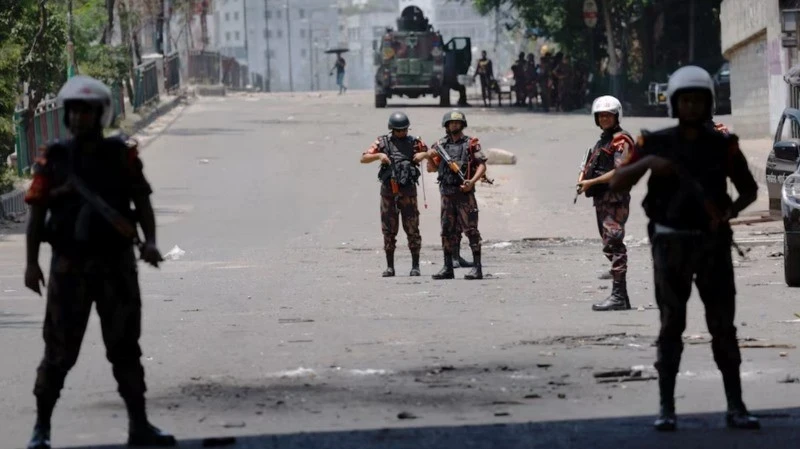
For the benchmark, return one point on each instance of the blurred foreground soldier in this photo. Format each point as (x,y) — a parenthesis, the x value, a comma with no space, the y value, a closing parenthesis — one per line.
(400,155)
(612,208)
(689,211)
(87,183)
(460,163)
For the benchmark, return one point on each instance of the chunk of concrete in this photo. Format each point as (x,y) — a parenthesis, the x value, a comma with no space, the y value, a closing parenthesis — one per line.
(496,156)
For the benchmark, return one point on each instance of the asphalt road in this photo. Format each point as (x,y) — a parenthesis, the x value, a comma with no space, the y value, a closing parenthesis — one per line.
(274,325)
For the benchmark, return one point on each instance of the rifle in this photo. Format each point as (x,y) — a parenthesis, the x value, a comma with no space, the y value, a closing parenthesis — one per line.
(582,170)
(696,188)
(392,180)
(114,218)
(450,163)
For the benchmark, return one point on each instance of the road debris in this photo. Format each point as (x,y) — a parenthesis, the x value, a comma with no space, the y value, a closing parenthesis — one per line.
(789,380)
(406,415)
(294,320)
(175,253)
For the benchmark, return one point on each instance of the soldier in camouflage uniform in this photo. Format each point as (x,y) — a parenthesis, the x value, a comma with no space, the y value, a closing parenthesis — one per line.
(459,206)
(400,155)
(612,208)
(91,260)
(689,209)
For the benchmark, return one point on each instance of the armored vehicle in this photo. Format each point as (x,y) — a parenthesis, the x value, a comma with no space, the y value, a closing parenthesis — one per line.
(414,61)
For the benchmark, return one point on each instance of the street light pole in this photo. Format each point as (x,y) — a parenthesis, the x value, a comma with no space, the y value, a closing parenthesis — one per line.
(289,45)
(310,58)
(266,30)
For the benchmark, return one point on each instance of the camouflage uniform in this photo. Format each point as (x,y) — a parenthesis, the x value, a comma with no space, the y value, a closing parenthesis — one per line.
(459,210)
(403,206)
(612,210)
(91,263)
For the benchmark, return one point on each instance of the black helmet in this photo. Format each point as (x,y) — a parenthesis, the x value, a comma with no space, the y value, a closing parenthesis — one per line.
(398,120)
(454,115)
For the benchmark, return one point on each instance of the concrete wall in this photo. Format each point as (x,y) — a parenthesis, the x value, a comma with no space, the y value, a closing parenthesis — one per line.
(751,41)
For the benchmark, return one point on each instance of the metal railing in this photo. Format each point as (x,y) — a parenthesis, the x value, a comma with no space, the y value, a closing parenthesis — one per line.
(172,72)
(145,85)
(47,125)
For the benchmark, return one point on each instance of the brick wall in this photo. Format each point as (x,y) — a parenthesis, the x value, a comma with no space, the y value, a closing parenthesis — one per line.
(750,97)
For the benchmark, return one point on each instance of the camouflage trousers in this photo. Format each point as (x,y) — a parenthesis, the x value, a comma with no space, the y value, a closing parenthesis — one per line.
(706,260)
(408,214)
(611,218)
(70,294)
(460,214)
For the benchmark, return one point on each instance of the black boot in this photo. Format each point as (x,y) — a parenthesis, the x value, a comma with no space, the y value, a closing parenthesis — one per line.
(447,270)
(477,269)
(737,416)
(140,431)
(458,261)
(389,272)
(618,300)
(40,438)
(414,264)
(666,421)
(41,431)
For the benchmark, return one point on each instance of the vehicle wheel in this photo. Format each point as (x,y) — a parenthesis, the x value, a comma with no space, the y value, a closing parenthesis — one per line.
(791,263)
(444,97)
(380,101)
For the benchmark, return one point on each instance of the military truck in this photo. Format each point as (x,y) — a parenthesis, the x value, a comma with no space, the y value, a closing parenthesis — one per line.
(414,61)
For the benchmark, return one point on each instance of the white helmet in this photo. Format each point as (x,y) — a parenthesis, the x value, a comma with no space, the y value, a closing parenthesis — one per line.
(88,89)
(688,77)
(606,103)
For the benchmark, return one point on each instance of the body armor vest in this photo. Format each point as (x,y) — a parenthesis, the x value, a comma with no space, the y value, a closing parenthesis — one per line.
(459,153)
(401,153)
(683,200)
(602,161)
(73,226)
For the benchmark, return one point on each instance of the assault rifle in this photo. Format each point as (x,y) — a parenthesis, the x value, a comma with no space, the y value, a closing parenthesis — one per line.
(454,166)
(392,179)
(450,163)
(584,161)
(114,218)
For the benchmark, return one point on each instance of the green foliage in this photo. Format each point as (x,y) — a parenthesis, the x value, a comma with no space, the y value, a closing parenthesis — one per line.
(651,35)
(106,63)
(8,179)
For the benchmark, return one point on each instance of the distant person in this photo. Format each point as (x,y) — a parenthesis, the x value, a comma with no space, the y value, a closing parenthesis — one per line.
(339,67)
(486,73)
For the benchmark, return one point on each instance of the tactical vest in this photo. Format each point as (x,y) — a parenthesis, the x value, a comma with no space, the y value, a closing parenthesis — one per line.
(73,226)
(682,201)
(602,162)
(459,153)
(401,153)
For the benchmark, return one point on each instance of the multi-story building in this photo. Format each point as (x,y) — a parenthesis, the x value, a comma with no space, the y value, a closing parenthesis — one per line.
(752,40)
(229,25)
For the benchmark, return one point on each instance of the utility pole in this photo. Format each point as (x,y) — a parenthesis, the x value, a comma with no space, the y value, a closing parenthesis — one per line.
(692,13)
(266,36)
(612,50)
(310,59)
(289,45)
(70,43)
(246,31)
